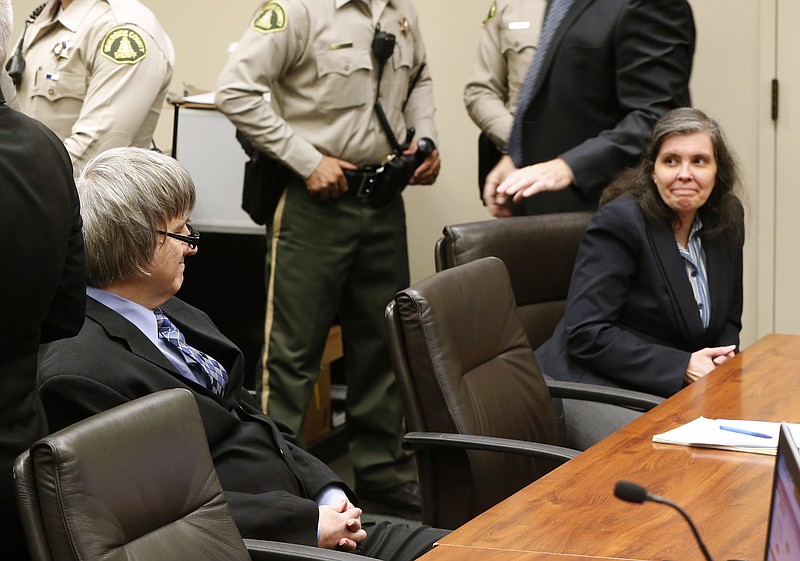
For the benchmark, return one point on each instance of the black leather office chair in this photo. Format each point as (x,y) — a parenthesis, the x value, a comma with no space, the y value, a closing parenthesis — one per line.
(482,419)
(539,252)
(135,483)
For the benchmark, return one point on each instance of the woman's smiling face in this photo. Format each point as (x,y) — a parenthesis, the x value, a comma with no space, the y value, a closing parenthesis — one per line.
(685,172)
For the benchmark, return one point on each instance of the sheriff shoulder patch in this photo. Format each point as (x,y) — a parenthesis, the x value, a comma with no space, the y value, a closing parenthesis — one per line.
(492,13)
(270,18)
(124,45)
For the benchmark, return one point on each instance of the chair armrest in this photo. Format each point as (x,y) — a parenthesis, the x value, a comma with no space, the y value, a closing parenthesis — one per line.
(427,440)
(263,550)
(603,394)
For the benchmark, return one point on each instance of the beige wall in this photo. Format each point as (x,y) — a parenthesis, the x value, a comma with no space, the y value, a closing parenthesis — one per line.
(729,82)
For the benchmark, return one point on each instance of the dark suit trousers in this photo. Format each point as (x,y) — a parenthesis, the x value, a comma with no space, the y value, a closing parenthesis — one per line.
(398,542)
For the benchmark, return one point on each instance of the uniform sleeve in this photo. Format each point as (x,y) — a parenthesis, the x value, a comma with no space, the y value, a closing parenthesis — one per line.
(258,61)
(119,97)
(487,89)
(654,46)
(607,260)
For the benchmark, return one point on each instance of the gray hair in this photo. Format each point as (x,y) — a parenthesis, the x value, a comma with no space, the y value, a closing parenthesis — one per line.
(126,195)
(6,25)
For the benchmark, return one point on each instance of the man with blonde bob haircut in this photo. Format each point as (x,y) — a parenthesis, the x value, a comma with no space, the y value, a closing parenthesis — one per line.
(138,339)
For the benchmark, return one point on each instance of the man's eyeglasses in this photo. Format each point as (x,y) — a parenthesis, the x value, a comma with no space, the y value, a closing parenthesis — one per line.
(192,239)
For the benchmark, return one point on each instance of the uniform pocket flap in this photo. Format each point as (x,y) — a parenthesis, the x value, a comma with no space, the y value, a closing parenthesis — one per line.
(344,62)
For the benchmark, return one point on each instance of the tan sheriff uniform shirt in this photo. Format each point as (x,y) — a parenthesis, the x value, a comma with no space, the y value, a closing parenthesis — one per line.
(508,41)
(96,74)
(314,58)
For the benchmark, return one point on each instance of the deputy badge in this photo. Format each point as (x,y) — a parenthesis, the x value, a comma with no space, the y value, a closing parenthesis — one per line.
(270,18)
(123,45)
(492,13)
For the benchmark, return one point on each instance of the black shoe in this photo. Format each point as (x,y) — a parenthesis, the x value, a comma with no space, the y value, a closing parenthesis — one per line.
(403,500)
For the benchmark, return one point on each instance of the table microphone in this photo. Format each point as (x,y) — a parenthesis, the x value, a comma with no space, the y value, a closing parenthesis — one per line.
(633,493)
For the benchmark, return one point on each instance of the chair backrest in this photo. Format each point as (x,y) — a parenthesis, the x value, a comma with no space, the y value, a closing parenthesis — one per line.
(539,252)
(132,483)
(463,365)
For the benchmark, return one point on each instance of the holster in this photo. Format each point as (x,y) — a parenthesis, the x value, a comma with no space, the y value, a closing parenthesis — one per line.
(378,187)
(264,181)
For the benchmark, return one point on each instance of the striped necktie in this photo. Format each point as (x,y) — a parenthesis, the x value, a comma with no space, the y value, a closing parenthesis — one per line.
(555,15)
(197,360)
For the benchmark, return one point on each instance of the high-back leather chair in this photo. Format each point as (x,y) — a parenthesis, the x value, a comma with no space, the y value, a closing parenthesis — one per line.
(135,483)
(464,367)
(539,252)
(482,421)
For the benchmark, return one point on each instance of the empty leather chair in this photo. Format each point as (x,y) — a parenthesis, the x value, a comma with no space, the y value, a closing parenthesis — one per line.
(135,483)
(482,421)
(539,252)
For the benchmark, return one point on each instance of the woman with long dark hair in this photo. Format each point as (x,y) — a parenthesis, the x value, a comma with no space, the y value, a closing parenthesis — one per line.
(655,299)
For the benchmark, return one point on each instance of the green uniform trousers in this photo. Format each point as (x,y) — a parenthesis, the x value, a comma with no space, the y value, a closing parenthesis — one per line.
(342,259)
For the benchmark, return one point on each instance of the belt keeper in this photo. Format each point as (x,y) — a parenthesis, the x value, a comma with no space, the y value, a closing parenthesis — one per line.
(366,185)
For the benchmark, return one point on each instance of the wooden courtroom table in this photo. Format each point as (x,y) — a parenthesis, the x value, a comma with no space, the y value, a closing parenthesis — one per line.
(571,513)
(452,552)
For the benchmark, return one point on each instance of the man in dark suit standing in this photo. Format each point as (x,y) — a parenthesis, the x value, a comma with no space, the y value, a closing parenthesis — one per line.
(138,339)
(42,280)
(604,72)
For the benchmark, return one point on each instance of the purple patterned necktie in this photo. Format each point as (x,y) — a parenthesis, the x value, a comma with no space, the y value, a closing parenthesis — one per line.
(555,14)
(197,360)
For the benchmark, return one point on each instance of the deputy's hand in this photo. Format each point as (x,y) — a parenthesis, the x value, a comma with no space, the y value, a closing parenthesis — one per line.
(705,360)
(498,203)
(553,175)
(428,170)
(327,181)
(340,526)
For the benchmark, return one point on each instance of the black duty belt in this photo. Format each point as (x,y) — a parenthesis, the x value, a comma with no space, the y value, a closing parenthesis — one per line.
(361,182)
(378,186)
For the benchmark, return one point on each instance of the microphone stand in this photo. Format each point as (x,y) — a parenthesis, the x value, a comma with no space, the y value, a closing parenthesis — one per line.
(662,500)
(634,493)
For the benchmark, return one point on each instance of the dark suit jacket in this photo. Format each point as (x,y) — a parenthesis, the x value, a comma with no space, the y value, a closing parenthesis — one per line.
(268,481)
(613,68)
(42,284)
(631,318)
